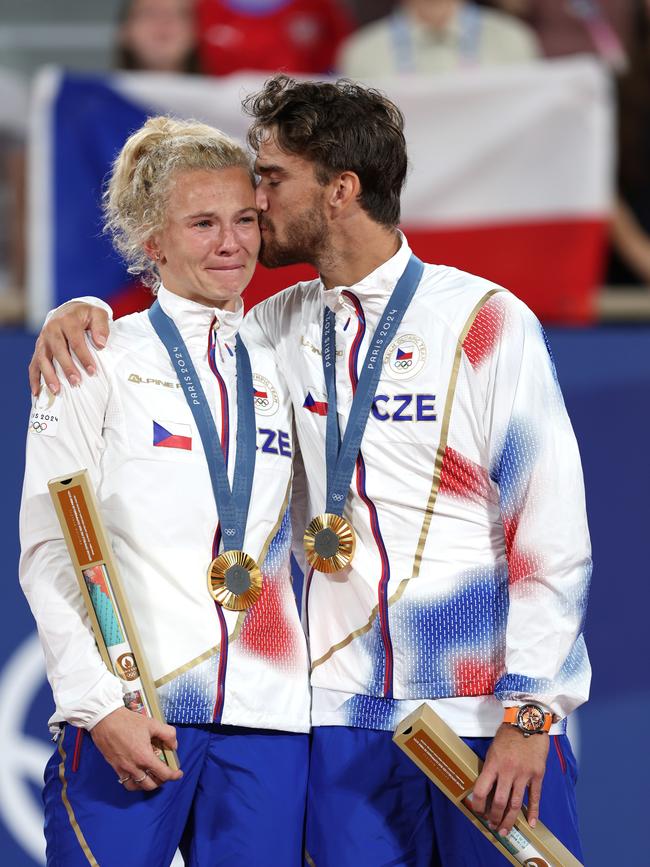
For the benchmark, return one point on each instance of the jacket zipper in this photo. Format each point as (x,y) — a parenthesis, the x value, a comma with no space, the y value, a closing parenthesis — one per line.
(217,711)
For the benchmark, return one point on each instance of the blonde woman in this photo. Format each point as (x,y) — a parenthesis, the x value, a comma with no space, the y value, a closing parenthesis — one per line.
(233,684)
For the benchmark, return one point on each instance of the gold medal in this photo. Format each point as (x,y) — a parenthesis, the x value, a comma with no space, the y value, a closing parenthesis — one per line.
(234,580)
(329,543)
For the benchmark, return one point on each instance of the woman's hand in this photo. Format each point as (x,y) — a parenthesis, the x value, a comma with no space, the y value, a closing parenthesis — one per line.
(125,739)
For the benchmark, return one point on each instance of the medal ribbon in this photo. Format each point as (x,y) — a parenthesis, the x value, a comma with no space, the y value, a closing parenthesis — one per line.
(232,505)
(340,455)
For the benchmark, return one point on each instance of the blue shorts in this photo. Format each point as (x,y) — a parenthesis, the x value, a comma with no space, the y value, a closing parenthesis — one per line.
(240,802)
(368,805)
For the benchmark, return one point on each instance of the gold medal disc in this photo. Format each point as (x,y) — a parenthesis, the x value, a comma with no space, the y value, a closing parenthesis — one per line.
(329,543)
(234,580)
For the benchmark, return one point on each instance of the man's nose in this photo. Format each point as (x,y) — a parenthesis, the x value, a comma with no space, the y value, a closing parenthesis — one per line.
(261,200)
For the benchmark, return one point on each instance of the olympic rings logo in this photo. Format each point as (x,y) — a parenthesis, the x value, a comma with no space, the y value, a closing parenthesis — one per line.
(265,396)
(39,426)
(406,356)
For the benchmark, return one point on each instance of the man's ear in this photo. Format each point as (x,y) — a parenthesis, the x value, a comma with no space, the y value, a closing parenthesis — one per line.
(345,190)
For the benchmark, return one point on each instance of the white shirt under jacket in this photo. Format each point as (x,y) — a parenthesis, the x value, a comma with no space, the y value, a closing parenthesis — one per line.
(470,578)
(158,506)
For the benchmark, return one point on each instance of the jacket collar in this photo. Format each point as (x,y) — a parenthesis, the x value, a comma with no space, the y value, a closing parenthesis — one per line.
(193,320)
(375,288)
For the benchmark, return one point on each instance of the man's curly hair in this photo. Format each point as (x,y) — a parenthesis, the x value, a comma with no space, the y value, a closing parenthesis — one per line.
(339,126)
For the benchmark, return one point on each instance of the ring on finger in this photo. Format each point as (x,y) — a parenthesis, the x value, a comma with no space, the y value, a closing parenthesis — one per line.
(143,777)
(122,780)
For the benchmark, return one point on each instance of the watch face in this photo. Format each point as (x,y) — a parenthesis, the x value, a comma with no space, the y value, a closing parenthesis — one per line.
(530,718)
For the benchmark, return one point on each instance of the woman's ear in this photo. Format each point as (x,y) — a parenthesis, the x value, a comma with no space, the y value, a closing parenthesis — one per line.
(152,249)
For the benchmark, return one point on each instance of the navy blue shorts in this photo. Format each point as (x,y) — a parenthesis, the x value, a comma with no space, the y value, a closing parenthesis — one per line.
(240,802)
(368,805)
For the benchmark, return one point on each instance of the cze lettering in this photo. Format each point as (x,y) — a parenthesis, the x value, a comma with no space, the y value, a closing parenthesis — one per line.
(284,444)
(404,407)
(271,437)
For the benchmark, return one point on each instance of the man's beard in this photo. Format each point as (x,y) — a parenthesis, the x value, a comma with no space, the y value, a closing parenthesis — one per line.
(307,237)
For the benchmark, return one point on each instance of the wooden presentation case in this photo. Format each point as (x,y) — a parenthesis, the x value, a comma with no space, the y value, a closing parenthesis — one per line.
(449,763)
(77,509)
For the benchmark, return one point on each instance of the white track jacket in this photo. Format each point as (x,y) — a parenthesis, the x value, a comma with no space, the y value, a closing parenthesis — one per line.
(130,426)
(470,577)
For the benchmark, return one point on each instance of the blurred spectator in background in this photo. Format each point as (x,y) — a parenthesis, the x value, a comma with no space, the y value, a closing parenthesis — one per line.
(429,36)
(270,35)
(577,26)
(630,261)
(157,36)
(153,36)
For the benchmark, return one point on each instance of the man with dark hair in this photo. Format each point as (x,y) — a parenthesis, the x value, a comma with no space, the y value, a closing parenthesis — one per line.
(319,122)
(444,566)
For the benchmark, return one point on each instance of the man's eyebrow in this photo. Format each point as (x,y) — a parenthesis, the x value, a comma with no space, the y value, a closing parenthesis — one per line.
(269,168)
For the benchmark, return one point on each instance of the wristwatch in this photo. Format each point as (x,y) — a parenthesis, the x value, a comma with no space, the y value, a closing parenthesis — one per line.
(530,719)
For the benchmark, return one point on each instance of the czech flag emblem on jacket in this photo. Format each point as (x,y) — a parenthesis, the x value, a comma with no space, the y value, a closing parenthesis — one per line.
(171,435)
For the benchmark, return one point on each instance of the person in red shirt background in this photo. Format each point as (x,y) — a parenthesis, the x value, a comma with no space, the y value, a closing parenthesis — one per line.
(270,35)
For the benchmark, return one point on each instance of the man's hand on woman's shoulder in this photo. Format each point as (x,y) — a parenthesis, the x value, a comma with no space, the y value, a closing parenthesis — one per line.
(62,334)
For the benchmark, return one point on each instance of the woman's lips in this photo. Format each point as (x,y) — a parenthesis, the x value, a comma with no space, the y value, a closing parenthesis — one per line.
(226,267)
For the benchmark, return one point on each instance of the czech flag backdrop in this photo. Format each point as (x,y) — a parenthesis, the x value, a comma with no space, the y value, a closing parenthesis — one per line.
(510,177)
